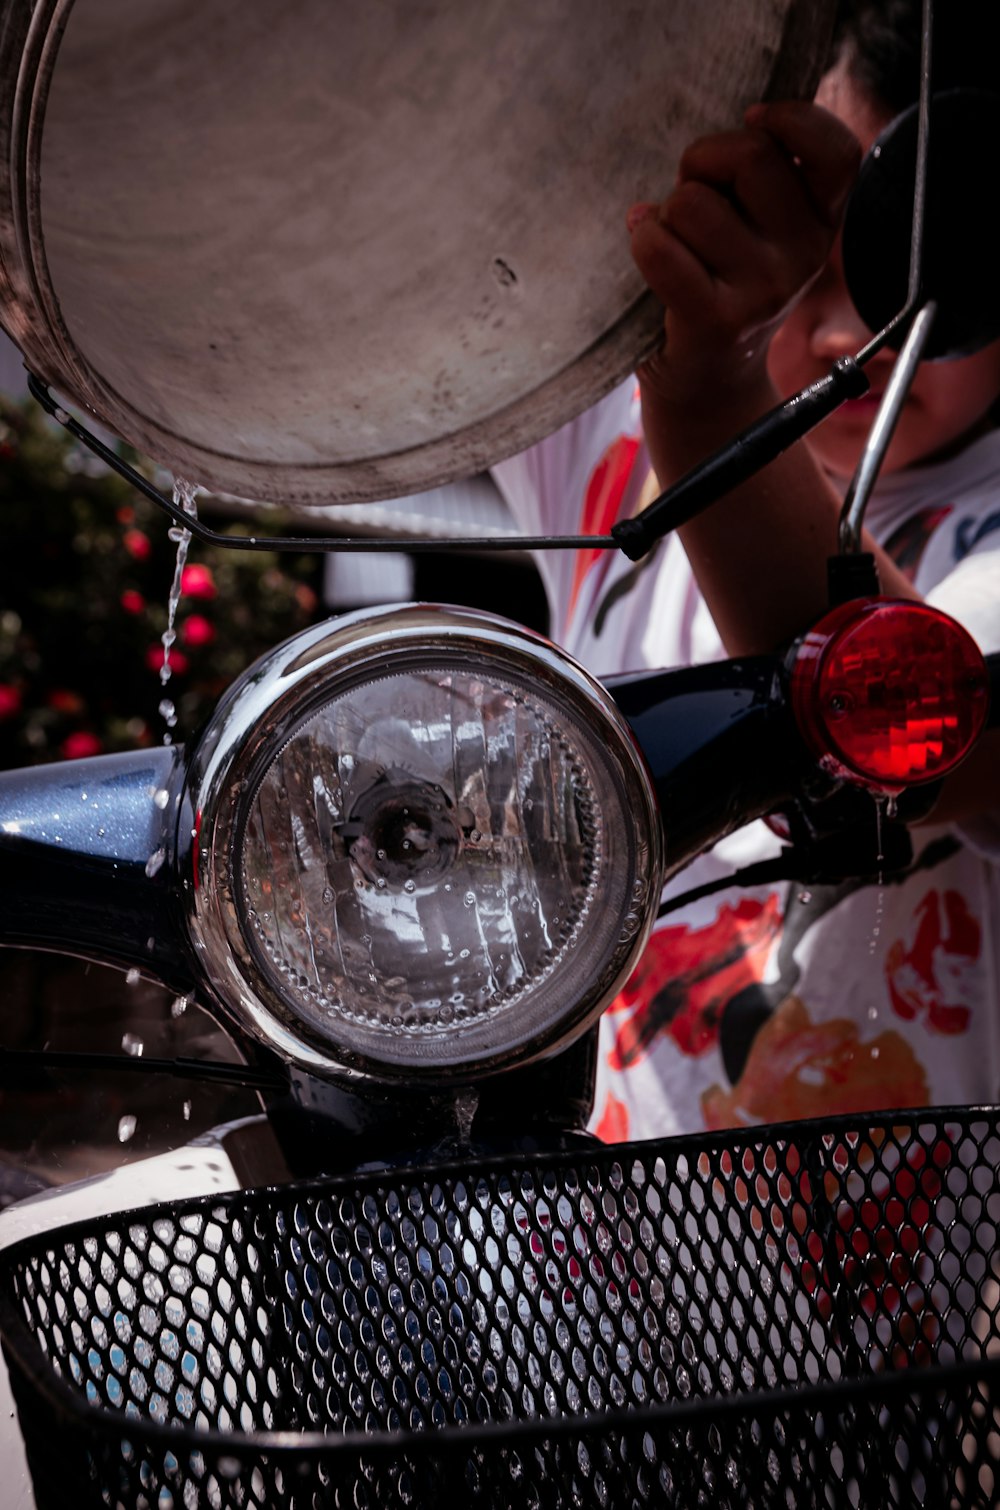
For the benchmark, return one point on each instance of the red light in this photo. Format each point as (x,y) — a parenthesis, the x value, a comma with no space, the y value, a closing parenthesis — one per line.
(892,692)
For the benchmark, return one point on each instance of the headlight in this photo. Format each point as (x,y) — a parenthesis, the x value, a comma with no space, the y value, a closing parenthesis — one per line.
(427,847)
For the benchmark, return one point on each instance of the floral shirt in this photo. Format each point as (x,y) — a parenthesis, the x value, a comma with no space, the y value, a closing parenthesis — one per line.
(777,1001)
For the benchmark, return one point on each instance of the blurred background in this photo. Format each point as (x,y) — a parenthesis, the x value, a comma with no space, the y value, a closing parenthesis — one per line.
(86,567)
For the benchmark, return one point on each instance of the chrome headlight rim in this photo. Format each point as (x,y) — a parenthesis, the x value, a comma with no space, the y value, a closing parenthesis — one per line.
(262,714)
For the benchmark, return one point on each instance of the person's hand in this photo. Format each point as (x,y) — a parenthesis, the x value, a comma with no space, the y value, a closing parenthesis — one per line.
(749,224)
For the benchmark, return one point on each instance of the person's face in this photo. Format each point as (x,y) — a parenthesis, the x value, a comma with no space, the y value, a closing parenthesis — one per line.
(948,400)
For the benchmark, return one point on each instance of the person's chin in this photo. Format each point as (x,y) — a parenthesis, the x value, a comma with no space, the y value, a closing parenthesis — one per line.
(837,444)
(839,457)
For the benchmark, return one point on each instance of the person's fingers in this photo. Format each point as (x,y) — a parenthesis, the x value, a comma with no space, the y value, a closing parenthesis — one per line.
(710,226)
(764,182)
(824,151)
(747,225)
(677,275)
(749,279)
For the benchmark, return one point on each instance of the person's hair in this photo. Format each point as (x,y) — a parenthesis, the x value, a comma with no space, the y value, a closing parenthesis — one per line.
(879,41)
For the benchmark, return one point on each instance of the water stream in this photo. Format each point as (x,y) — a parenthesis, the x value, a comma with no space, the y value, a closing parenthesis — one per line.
(185,494)
(885,807)
(881,810)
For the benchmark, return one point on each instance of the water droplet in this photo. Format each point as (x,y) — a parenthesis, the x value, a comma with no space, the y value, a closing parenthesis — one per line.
(161,798)
(463,954)
(185,494)
(179,1006)
(805,897)
(126,1128)
(875,1051)
(872,1013)
(101,832)
(470,899)
(381,883)
(877,922)
(133,1044)
(327,894)
(186,1111)
(475,836)
(409,886)
(132,977)
(880,806)
(380,854)
(155,862)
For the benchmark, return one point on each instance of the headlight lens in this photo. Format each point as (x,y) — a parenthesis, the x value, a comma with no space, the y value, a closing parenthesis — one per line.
(446,853)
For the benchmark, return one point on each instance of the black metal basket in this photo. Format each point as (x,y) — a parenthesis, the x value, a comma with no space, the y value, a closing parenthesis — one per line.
(792,1316)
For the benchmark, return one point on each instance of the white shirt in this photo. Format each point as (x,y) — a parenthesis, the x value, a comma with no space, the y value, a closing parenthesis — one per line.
(776,1002)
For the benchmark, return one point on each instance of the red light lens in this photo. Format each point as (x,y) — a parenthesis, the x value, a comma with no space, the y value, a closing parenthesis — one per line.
(894,692)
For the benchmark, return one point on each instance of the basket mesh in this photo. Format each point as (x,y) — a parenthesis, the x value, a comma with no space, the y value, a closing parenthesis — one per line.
(797,1316)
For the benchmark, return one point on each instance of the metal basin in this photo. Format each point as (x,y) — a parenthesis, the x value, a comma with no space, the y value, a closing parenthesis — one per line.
(321,251)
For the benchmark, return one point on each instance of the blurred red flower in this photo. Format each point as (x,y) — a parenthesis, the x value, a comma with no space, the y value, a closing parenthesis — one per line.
(10,700)
(64,701)
(197,630)
(178,660)
(137,544)
(197,582)
(79,745)
(132,601)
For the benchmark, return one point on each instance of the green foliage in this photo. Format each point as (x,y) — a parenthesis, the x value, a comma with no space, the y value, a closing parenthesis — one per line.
(85,572)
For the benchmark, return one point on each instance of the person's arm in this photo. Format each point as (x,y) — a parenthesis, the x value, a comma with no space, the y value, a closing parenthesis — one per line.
(750,222)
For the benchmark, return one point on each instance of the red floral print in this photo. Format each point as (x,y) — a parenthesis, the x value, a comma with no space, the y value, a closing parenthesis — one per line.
(687,975)
(925,976)
(601,505)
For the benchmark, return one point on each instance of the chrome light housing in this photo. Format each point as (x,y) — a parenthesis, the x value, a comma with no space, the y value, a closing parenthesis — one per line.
(426,847)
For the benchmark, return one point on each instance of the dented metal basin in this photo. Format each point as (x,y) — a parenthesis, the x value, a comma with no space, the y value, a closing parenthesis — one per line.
(325,251)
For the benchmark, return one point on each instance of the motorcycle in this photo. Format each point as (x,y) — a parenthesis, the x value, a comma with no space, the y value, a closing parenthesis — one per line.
(409,861)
